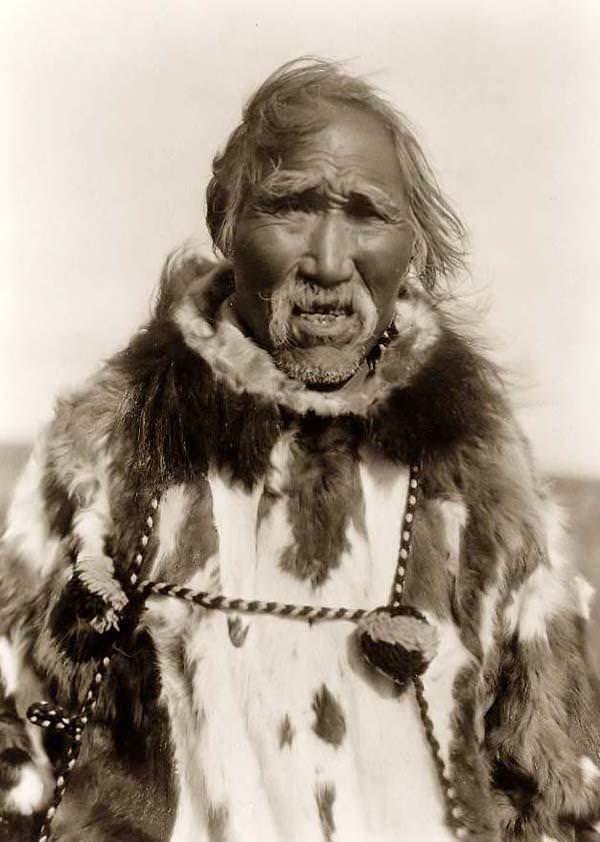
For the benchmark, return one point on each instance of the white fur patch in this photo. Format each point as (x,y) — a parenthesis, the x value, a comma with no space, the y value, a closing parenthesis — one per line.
(228,735)
(540,597)
(235,513)
(29,793)
(172,513)
(454,518)
(414,315)
(555,523)
(27,527)
(589,771)
(385,489)
(246,367)
(10,664)
(585,596)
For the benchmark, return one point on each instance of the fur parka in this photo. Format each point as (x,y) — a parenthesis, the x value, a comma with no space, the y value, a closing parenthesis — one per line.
(191,453)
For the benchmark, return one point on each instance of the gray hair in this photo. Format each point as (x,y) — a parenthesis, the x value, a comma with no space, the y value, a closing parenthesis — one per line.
(278,116)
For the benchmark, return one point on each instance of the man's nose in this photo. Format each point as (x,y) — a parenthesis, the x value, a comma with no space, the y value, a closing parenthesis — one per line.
(329,254)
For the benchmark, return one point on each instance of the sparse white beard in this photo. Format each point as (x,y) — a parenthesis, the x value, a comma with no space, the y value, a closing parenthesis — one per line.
(320,365)
(320,360)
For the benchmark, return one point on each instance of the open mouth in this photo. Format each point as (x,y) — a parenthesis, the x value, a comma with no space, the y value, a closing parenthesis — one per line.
(326,320)
(324,317)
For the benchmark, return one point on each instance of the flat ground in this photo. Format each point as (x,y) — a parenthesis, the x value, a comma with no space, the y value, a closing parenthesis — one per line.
(580,498)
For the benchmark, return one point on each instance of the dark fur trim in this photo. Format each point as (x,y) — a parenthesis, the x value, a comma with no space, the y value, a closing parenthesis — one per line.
(15,828)
(178,422)
(330,722)
(179,419)
(238,630)
(286,732)
(323,494)
(217,823)
(454,400)
(325,798)
(116,794)
(429,586)
(469,766)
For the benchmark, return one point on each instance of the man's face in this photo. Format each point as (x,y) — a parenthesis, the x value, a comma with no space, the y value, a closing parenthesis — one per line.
(321,248)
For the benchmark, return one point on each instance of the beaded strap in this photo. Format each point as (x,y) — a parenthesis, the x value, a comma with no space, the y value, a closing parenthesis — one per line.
(309,613)
(52,717)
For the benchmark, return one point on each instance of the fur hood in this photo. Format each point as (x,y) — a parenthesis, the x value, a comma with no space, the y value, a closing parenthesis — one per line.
(193,453)
(193,377)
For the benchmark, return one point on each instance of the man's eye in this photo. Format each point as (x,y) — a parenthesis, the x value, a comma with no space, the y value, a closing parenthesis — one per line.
(359,207)
(288,204)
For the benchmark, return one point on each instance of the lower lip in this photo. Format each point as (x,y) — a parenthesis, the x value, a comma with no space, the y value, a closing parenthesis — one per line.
(326,324)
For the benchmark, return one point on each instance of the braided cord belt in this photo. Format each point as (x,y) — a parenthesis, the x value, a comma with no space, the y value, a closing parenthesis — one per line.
(51,717)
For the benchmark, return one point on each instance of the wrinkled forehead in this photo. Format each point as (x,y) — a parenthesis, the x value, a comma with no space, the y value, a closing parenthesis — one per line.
(348,148)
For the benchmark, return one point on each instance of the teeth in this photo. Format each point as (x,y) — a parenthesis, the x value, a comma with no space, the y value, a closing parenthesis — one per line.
(326,313)
(322,318)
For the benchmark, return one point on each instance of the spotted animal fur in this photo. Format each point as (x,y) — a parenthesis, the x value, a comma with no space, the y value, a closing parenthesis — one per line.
(261,727)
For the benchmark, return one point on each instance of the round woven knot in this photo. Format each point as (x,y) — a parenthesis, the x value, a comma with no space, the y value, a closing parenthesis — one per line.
(398,642)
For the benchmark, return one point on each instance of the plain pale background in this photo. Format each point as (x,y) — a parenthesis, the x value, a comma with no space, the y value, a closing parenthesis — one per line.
(112,111)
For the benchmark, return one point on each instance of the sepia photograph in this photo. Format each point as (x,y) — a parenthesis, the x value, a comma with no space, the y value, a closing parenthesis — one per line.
(299,460)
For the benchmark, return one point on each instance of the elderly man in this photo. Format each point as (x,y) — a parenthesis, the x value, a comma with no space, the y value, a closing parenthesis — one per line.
(282,569)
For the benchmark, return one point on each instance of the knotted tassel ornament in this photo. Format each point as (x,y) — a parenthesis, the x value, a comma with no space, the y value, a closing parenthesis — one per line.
(398,642)
(96,574)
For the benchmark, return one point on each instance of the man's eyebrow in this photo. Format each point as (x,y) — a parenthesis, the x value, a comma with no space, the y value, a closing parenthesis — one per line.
(282,184)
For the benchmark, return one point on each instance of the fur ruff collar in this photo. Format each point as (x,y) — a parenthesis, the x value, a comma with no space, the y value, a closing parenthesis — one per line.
(200,391)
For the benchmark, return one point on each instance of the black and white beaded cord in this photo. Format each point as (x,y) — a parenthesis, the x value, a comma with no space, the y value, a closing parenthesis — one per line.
(377,350)
(51,717)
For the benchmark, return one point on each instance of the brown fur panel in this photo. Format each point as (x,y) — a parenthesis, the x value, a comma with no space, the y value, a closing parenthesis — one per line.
(118,796)
(325,798)
(453,400)
(428,584)
(501,539)
(324,496)
(330,723)
(543,719)
(543,723)
(79,433)
(176,422)
(470,770)
(17,589)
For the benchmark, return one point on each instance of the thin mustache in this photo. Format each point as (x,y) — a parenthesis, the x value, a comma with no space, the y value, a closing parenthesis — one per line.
(306,296)
(351,297)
